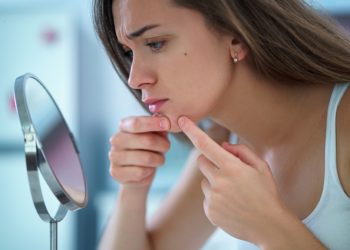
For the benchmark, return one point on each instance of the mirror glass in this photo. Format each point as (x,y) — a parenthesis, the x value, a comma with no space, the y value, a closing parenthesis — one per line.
(57,155)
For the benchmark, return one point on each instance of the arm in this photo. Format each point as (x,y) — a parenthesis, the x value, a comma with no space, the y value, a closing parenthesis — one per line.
(289,233)
(127,222)
(180,222)
(137,149)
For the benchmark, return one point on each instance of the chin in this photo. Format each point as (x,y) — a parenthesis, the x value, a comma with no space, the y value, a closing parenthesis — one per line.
(174,126)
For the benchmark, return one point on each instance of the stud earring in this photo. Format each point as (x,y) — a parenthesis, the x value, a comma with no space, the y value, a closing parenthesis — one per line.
(235,57)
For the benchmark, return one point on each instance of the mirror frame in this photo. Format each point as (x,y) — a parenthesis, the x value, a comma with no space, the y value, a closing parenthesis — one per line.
(35,157)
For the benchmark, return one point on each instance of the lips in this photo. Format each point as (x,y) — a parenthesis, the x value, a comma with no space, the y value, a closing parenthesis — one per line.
(154,105)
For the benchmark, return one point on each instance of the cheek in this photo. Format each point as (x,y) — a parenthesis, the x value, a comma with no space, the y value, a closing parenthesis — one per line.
(204,83)
(196,84)
(195,103)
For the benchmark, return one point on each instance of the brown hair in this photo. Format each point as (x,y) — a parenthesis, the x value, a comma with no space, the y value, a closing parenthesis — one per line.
(287,39)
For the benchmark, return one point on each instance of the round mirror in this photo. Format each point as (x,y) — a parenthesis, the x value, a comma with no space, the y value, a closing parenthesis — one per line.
(51,148)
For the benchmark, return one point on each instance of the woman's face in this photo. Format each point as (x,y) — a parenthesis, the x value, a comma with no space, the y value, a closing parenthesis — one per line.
(175,57)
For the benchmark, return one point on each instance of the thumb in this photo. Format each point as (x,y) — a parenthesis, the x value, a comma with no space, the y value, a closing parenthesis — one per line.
(162,133)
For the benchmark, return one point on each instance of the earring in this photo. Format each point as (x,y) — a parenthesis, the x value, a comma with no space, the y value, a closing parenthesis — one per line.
(235,57)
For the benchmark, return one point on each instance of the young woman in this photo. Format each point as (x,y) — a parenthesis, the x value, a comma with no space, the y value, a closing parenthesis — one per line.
(272,72)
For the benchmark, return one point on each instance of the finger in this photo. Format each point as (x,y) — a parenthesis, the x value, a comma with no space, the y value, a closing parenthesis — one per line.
(137,157)
(141,124)
(244,153)
(130,173)
(144,141)
(162,133)
(208,169)
(205,186)
(204,143)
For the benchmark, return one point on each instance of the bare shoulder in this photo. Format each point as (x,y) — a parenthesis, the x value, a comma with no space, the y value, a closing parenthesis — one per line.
(343,141)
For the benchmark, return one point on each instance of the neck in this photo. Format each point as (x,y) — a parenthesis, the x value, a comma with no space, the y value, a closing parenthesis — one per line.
(267,114)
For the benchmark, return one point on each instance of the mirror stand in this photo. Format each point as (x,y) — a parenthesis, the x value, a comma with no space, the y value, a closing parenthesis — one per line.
(35,160)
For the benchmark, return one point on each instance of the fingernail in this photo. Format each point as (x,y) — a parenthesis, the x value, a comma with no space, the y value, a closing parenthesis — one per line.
(181,122)
(164,124)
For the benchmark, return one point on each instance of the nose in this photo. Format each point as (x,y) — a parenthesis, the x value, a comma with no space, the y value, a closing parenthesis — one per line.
(141,75)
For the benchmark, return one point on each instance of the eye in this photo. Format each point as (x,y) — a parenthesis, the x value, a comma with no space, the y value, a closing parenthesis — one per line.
(129,54)
(156,46)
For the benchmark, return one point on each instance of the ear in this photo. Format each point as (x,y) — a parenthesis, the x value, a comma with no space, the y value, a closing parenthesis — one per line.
(238,49)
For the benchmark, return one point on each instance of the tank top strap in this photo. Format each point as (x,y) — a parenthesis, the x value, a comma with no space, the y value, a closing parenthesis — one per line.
(331,172)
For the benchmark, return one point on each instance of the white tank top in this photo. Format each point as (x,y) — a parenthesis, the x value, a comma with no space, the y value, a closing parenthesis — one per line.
(330,220)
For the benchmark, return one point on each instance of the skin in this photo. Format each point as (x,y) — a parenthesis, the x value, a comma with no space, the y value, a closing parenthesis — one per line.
(153,71)
(280,126)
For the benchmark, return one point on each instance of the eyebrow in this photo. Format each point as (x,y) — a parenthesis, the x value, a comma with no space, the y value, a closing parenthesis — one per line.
(141,31)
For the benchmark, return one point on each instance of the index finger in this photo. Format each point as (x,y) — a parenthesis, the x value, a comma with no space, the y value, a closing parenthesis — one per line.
(142,124)
(204,143)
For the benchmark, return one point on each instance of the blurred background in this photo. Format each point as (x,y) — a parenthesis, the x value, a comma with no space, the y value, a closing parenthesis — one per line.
(55,40)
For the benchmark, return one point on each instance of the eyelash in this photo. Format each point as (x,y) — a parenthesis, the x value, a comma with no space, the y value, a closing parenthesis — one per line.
(155,47)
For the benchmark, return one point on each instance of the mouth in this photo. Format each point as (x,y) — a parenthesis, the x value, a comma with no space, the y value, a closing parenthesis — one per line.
(154,105)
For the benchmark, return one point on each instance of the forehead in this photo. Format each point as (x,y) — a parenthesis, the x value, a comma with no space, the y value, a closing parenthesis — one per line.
(132,14)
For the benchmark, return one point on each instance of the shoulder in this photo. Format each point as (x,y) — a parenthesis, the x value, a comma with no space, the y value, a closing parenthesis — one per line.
(343,141)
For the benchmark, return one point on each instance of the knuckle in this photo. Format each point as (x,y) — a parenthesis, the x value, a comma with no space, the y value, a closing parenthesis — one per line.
(166,146)
(118,140)
(200,159)
(129,123)
(124,120)
(114,156)
(110,155)
(210,213)
(134,123)
(161,160)
(146,159)
(149,141)
(140,173)
(114,172)
(113,140)
(149,159)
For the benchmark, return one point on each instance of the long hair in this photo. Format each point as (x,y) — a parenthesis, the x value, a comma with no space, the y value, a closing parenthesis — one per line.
(287,39)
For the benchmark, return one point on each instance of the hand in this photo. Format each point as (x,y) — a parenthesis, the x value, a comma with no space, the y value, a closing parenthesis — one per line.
(138,149)
(240,194)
